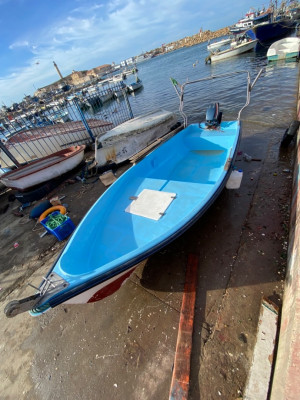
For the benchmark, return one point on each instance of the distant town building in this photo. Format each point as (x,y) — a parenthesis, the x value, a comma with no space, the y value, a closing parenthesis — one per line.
(74,79)
(101,70)
(128,61)
(169,47)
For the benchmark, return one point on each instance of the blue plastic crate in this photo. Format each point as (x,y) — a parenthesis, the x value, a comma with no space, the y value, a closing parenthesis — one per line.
(62,231)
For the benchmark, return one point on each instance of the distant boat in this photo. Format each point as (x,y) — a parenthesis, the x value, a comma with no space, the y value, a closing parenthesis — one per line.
(44,169)
(130,137)
(217,45)
(119,77)
(147,207)
(58,116)
(135,85)
(286,48)
(271,24)
(250,19)
(238,47)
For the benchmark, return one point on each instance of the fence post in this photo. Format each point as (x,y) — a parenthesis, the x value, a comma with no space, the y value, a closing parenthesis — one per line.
(127,103)
(86,125)
(9,155)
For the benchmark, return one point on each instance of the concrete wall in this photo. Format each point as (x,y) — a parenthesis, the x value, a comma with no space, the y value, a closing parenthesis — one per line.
(286,382)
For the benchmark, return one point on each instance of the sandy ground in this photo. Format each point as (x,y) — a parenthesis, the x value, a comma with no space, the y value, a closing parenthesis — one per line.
(123,347)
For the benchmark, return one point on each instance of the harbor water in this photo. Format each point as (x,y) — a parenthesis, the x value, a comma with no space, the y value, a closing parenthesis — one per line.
(273,100)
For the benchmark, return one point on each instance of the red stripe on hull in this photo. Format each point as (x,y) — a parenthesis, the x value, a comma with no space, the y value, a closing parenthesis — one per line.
(110,288)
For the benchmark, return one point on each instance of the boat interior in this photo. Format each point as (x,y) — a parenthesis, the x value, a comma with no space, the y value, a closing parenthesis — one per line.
(192,175)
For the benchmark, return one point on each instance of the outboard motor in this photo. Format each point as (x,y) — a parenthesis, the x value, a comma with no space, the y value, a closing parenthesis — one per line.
(213,115)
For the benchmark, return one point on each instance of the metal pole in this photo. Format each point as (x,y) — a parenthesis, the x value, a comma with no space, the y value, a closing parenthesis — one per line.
(127,103)
(86,125)
(9,155)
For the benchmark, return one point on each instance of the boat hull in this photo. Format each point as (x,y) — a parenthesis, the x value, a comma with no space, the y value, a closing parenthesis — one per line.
(269,31)
(36,143)
(127,139)
(284,49)
(219,44)
(134,86)
(124,226)
(44,169)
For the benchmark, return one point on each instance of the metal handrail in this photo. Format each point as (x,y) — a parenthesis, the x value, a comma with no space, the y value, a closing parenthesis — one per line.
(180,92)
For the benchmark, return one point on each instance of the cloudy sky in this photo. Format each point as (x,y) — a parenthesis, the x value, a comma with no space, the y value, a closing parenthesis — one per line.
(82,34)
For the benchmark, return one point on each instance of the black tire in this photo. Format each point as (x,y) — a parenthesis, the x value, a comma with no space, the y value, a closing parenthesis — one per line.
(286,140)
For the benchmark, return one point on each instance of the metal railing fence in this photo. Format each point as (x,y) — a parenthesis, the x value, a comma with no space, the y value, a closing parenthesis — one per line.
(71,120)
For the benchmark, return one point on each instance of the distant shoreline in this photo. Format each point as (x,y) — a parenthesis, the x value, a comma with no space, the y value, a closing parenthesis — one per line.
(189,41)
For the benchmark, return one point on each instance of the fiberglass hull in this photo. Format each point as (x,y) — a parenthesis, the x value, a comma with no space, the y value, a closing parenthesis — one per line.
(192,167)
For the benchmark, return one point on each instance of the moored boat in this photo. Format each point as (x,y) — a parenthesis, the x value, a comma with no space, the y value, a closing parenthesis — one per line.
(286,48)
(133,86)
(273,29)
(44,169)
(150,205)
(240,46)
(218,44)
(251,17)
(130,137)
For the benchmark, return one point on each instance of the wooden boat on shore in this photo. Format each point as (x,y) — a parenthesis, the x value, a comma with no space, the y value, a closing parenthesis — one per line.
(130,137)
(150,205)
(27,146)
(44,169)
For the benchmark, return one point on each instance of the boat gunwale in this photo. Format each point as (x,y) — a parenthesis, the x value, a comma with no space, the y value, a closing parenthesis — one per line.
(67,153)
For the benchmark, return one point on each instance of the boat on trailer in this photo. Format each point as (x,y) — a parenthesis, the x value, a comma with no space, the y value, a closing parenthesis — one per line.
(147,207)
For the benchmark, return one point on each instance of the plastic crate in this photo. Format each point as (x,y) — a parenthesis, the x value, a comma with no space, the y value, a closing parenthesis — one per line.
(62,231)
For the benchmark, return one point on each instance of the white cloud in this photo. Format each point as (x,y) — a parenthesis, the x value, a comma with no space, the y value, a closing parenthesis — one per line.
(22,43)
(100,33)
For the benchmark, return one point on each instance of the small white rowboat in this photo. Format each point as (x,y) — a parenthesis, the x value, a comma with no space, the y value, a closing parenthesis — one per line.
(44,169)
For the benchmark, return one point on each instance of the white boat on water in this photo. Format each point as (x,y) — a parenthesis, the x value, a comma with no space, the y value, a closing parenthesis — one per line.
(127,139)
(286,48)
(119,77)
(217,45)
(135,85)
(236,48)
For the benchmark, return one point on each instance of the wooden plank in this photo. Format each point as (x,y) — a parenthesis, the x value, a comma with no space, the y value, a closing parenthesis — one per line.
(181,371)
(257,386)
(141,154)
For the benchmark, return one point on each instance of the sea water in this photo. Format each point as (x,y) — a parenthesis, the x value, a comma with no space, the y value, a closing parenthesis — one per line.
(273,98)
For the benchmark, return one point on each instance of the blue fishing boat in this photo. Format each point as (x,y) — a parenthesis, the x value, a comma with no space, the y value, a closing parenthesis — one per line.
(150,205)
(273,29)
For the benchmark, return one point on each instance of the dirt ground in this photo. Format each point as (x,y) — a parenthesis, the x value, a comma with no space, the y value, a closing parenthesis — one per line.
(123,347)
